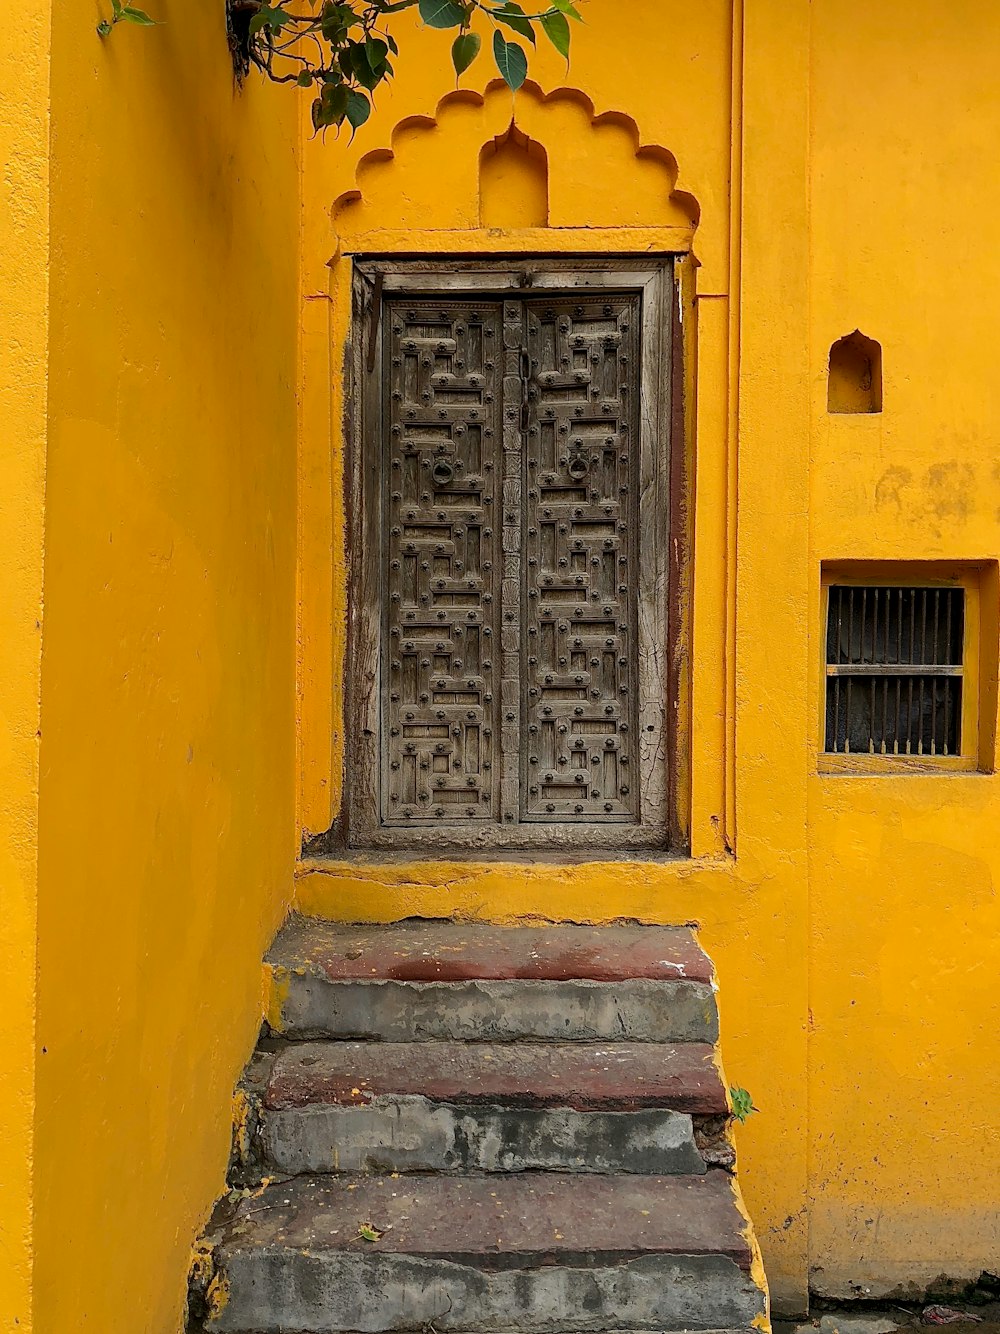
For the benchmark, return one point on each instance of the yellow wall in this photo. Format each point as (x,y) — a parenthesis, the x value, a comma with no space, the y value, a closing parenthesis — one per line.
(840,160)
(167,754)
(841,157)
(24,59)
(905,948)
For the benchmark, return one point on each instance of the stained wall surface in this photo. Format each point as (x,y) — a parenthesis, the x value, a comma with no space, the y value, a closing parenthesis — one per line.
(828,152)
(166,836)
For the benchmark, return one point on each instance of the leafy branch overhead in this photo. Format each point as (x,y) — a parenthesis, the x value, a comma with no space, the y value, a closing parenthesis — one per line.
(344,50)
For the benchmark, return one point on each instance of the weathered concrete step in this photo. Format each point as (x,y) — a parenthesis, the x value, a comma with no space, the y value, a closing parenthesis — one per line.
(505,1107)
(422,981)
(539,1254)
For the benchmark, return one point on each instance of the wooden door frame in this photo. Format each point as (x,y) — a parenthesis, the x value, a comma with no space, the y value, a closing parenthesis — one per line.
(663,510)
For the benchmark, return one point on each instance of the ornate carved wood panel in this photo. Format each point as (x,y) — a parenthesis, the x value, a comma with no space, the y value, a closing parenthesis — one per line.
(581,527)
(441,615)
(509,658)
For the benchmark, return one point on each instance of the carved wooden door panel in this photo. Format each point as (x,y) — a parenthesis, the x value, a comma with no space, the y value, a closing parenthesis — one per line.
(509,666)
(442,557)
(579,533)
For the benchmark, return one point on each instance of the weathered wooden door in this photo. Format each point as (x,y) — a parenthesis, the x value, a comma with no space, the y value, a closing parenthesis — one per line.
(511,670)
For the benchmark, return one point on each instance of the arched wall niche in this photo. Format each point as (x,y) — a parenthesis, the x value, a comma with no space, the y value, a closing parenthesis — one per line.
(513,182)
(556,164)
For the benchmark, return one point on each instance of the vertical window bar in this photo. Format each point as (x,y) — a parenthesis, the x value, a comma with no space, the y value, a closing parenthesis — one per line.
(899,659)
(836,679)
(909,716)
(850,658)
(923,626)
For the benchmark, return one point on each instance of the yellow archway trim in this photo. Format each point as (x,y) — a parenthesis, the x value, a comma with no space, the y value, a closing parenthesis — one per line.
(600,179)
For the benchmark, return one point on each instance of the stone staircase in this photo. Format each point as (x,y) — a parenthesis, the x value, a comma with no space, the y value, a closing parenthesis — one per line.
(483,1130)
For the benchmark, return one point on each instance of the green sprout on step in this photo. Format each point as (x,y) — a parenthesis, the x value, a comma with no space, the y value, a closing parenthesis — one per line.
(742,1103)
(122,13)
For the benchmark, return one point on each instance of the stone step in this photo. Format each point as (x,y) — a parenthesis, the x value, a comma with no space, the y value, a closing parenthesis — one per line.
(538,1253)
(504,1107)
(425,981)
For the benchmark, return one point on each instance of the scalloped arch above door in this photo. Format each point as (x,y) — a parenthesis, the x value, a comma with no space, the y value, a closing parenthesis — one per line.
(599,174)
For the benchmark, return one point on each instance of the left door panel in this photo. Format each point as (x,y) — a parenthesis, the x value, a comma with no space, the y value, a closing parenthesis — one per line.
(441,563)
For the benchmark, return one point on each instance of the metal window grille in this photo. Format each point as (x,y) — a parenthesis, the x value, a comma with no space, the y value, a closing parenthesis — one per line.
(894,670)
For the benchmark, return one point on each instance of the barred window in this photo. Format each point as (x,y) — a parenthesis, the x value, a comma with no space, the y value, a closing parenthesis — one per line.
(894,670)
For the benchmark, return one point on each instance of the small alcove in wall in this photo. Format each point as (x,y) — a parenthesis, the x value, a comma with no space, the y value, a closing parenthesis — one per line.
(513,182)
(854,382)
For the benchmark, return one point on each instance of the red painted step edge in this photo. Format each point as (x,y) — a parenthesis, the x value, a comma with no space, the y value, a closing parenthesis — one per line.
(453,952)
(584,1076)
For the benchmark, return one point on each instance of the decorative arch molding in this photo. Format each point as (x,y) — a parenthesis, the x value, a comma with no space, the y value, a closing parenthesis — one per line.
(584,172)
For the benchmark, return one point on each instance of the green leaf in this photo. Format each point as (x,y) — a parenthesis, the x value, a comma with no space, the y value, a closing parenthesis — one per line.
(567,7)
(358,109)
(131,15)
(305,79)
(556,29)
(334,20)
(511,62)
(330,107)
(116,7)
(377,52)
(104,28)
(360,64)
(392,43)
(464,51)
(742,1103)
(273,19)
(334,98)
(369,1232)
(442,13)
(513,15)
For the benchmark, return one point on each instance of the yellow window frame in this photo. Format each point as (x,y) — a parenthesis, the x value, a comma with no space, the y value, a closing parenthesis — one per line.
(977,725)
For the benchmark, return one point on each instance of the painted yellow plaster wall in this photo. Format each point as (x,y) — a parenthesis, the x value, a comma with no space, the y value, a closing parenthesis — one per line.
(905,938)
(840,161)
(166,839)
(24,185)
